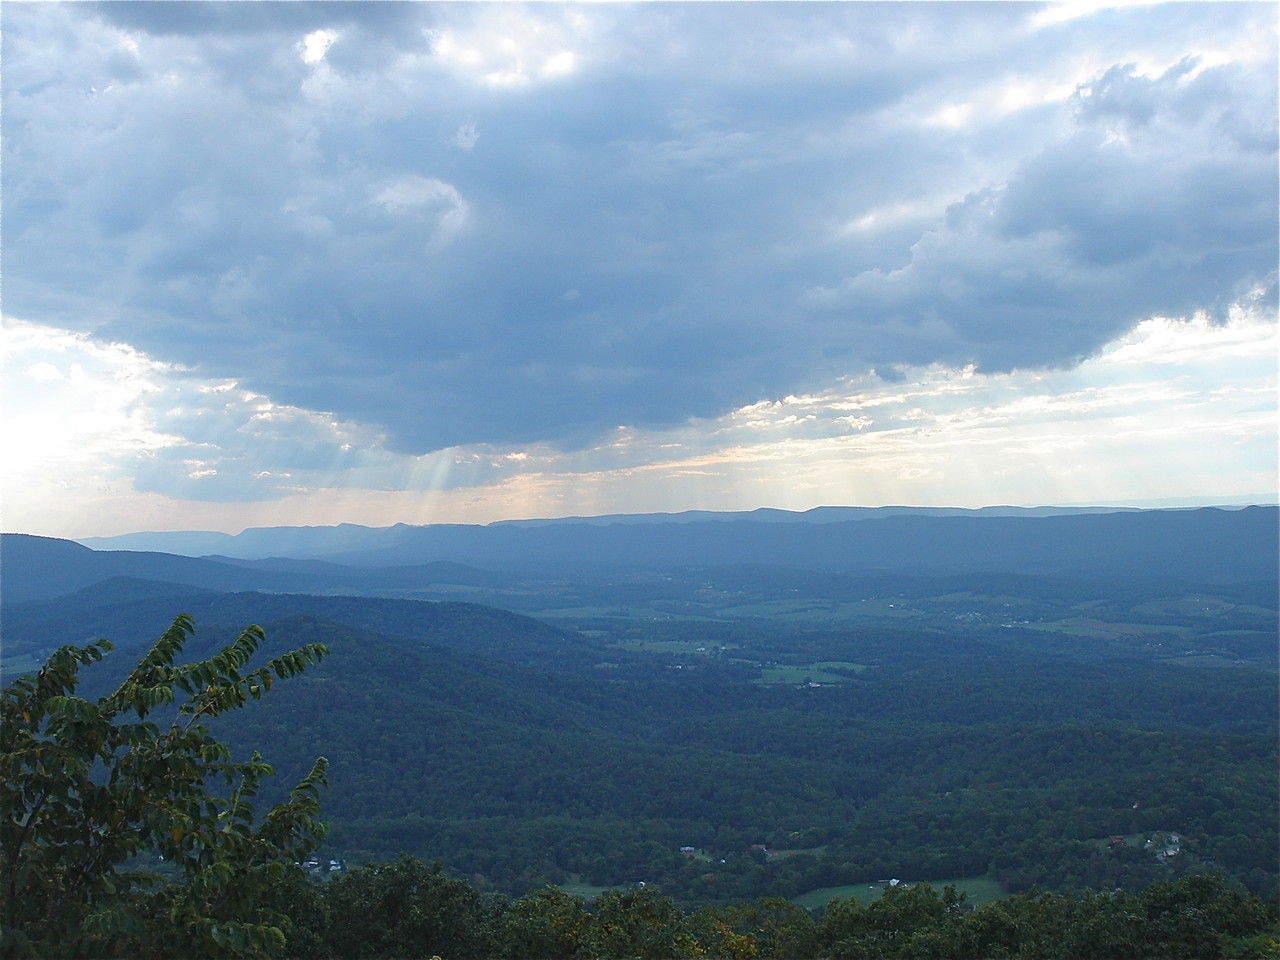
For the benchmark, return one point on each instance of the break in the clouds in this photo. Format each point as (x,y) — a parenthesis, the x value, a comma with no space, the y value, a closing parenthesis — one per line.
(496,224)
(113,441)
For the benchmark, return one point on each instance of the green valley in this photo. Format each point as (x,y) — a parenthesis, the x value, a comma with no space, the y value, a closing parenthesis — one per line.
(715,735)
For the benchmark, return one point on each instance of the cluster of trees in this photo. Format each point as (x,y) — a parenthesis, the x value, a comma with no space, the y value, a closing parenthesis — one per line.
(520,779)
(949,756)
(92,786)
(407,909)
(98,794)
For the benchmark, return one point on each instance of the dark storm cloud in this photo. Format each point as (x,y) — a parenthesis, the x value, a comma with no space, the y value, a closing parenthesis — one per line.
(449,229)
(209,17)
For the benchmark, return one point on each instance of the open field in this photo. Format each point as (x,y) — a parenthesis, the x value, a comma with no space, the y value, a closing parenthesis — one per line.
(1088,627)
(629,612)
(813,672)
(587,891)
(695,646)
(978,891)
(821,609)
(1202,660)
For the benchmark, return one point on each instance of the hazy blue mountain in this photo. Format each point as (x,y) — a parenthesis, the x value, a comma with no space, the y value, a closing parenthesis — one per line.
(139,618)
(38,568)
(258,543)
(329,576)
(813,515)
(255,543)
(112,592)
(1208,544)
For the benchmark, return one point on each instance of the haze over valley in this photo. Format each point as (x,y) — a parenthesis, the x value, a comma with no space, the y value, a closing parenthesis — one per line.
(937,697)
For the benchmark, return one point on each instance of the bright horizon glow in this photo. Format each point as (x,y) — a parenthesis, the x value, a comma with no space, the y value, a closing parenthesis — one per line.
(1173,413)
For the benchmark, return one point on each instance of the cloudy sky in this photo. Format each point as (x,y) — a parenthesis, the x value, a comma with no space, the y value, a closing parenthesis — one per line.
(375,262)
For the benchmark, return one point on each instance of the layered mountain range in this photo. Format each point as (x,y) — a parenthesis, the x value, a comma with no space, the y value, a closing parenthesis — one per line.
(1211,544)
(930,696)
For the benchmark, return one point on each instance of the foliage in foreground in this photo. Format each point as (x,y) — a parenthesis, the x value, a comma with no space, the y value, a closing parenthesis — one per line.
(407,909)
(93,788)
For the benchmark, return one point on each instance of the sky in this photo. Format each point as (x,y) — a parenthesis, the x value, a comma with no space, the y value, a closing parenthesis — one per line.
(294,263)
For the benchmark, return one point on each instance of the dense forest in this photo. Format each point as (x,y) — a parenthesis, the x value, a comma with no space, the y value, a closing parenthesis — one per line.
(406,909)
(738,745)
(114,844)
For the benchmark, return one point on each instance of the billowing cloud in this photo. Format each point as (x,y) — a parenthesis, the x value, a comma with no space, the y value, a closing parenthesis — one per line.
(1162,200)
(498,224)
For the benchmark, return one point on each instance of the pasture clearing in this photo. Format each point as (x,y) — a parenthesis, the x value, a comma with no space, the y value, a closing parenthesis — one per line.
(1102,629)
(828,671)
(978,891)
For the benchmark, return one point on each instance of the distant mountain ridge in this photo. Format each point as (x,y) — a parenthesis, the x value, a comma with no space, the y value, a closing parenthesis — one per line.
(812,515)
(318,542)
(38,568)
(41,568)
(1201,544)
(131,612)
(522,751)
(1207,544)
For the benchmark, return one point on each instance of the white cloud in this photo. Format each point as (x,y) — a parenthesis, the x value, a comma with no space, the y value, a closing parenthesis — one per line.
(695,172)
(43,371)
(506,46)
(1161,341)
(559,64)
(466,136)
(1055,13)
(425,196)
(316,44)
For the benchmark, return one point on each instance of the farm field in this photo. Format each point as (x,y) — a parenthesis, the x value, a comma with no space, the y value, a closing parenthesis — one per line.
(978,891)
(587,891)
(812,673)
(1088,627)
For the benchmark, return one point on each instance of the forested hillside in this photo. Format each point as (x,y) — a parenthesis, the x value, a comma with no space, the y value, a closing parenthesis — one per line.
(119,841)
(738,732)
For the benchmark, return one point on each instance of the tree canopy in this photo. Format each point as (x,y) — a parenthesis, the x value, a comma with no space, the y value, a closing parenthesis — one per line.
(130,830)
(124,836)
